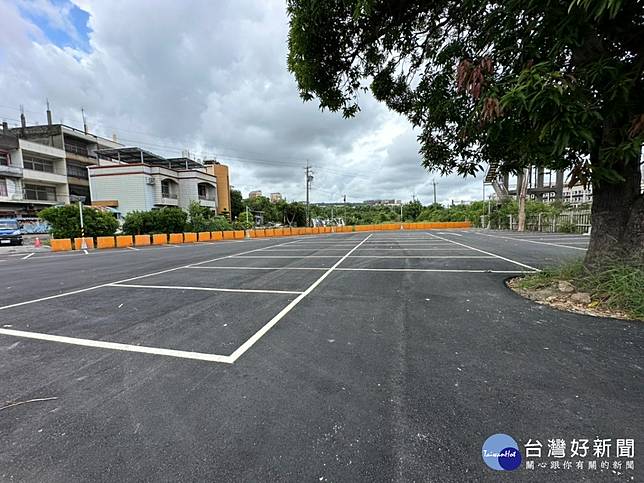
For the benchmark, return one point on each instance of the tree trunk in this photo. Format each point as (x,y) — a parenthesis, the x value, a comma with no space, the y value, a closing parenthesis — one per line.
(617,219)
(523,189)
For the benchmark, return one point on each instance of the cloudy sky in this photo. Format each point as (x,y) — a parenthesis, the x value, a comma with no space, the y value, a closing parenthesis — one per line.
(209,77)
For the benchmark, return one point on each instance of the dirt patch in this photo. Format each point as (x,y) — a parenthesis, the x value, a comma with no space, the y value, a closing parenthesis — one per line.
(560,296)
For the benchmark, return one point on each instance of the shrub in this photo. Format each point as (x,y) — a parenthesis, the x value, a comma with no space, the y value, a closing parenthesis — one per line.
(139,223)
(169,219)
(219,223)
(65,221)
(165,220)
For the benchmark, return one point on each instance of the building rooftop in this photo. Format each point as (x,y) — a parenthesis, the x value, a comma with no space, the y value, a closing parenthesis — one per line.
(132,155)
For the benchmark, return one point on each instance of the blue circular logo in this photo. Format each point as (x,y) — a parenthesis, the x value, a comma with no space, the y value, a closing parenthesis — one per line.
(501,452)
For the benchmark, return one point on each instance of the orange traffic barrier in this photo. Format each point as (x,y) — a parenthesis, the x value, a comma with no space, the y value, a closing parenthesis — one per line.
(141,240)
(176,238)
(228,235)
(78,243)
(61,245)
(123,241)
(238,234)
(204,236)
(216,235)
(159,239)
(189,237)
(105,242)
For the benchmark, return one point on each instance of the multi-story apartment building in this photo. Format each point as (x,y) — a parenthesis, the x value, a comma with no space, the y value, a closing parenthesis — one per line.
(254,194)
(276,197)
(132,179)
(43,165)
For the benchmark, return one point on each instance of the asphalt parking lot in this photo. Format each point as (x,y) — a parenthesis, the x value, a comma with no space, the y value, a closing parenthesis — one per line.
(344,357)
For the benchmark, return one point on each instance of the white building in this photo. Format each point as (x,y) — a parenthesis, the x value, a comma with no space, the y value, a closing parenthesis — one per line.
(43,165)
(132,179)
(32,177)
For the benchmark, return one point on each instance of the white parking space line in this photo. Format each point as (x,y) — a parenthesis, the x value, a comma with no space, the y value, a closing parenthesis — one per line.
(304,249)
(449,257)
(447,270)
(117,346)
(258,268)
(559,245)
(28,256)
(132,248)
(444,249)
(288,256)
(487,253)
(208,289)
(94,287)
(258,335)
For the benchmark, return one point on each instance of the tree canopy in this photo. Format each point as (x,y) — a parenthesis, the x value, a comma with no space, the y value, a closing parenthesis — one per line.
(552,83)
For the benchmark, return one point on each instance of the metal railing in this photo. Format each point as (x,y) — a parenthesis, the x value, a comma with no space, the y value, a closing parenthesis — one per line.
(565,222)
(81,150)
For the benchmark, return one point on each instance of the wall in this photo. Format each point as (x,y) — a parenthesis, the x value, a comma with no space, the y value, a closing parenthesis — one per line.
(220,171)
(123,183)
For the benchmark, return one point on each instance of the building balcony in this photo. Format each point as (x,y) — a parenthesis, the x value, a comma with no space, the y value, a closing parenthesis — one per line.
(49,199)
(12,171)
(56,177)
(207,201)
(166,199)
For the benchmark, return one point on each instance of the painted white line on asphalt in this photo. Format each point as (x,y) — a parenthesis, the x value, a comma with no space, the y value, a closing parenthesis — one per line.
(289,256)
(260,268)
(449,257)
(94,287)
(208,289)
(447,270)
(446,249)
(85,252)
(258,335)
(132,248)
(341,269)
(536,242)
(304,249)
(487,253)
(200,356)
(28,256)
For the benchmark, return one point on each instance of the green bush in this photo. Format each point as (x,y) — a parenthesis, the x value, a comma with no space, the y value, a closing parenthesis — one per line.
(139,223)
(166,220)
(65,221)
(219,223)
(201,218)
(170,219)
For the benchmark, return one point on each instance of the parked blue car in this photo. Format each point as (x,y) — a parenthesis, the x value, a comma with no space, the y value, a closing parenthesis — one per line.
(10,232)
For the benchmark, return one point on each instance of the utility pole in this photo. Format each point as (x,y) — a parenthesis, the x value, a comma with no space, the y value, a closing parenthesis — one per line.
(309,179)
(434,183)
(345,210)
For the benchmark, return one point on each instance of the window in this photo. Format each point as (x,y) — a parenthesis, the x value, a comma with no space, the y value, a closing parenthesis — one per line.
(3,187)
(40,192)
(206,191)
(168,189)
(5,159)
(76,170)
(38,164)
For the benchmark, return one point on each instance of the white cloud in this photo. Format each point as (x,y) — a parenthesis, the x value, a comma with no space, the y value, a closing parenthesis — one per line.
(211,77)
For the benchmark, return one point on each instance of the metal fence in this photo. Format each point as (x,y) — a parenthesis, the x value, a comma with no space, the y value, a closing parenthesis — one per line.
(565,222)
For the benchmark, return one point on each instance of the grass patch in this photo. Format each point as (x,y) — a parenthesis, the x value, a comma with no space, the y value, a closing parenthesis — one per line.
(614,287)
